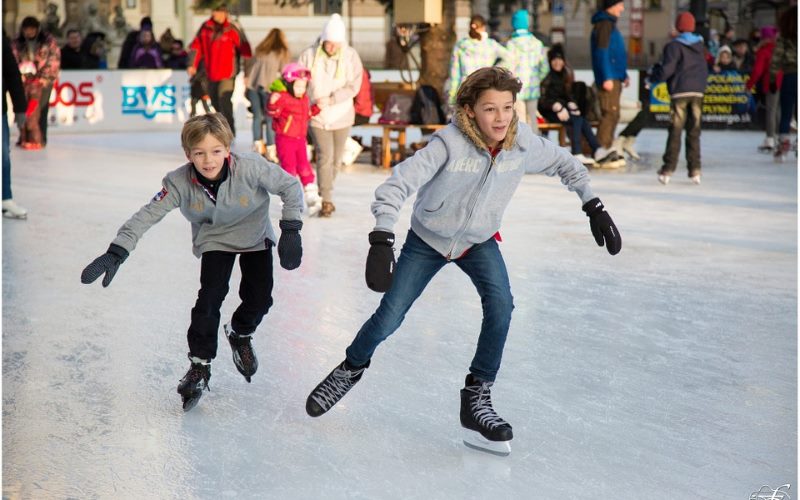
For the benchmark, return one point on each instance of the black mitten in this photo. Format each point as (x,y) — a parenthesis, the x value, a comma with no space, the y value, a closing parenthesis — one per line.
(107,263)
(380,261)
(602,226)
(290,250)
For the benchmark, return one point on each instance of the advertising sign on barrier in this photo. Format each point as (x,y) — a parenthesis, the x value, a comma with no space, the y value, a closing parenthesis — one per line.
(125,100)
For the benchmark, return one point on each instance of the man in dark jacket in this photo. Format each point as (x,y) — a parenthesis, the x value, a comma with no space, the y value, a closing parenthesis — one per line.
(217,46)
(71,55)
(683,67)
(610,67)
(12,84)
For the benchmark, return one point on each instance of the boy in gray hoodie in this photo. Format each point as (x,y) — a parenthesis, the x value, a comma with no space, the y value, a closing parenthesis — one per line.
(464,179)
(226,198)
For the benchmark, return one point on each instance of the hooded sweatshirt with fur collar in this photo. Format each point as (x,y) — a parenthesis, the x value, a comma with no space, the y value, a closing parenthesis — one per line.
(462,191)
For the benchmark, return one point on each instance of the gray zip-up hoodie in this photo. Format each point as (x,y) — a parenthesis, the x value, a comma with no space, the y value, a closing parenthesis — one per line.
(463,191)
(237,222)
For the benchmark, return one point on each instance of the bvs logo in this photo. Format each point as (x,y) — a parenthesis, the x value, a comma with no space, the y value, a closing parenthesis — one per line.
(72,94)
(136,100)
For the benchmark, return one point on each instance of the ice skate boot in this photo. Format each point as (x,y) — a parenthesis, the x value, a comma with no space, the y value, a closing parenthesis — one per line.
(194,382)
(608,158)
(782,149)
(333,388)
(484,429)
(271,153)
(13,211)
(260,147)
(313,200)
(629,146)
(768,146)
(244,357)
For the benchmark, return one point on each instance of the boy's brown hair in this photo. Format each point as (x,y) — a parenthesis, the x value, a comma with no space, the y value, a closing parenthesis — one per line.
(480,80)
(196,128)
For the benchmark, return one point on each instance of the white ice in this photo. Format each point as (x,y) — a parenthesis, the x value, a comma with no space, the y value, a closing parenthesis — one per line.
(668,371)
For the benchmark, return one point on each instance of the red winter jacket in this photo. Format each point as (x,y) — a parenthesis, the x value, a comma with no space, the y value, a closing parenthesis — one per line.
(217,45)
(760,72)
(290,115)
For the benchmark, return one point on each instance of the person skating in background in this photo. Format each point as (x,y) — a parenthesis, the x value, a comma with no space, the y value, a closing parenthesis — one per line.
(530,64)
(291,110)
(269,58)
(217,46)
(760,82)
(12,87)
(474,52)
(683,67)
(557,105)
(146,54)
(610,67)
(336,75)
(464,179)
(225,196)
(783,68)
(39,60)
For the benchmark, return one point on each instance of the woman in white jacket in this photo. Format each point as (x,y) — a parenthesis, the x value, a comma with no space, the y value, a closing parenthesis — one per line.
(336,72)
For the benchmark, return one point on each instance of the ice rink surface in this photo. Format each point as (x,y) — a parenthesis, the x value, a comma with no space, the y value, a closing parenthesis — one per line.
(667,371)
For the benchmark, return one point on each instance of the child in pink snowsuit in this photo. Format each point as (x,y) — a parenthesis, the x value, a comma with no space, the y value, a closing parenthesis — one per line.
(291,110)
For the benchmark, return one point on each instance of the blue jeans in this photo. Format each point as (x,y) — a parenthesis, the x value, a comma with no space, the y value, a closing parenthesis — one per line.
(258,103)
(581,128)
(417,264)
(6,159)
(788,101)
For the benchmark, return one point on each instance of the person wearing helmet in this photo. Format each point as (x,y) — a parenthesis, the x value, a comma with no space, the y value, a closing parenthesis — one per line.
(291,111)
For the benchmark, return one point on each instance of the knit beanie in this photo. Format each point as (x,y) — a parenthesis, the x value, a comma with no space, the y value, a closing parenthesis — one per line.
(607,4)
(768,32)
(684,23)
(556,51)
(334,30)
(520,20)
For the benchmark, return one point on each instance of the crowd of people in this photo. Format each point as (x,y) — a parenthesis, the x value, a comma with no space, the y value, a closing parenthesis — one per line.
(336,86)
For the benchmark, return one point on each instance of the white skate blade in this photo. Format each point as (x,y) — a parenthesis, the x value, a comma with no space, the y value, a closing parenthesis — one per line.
(474,440)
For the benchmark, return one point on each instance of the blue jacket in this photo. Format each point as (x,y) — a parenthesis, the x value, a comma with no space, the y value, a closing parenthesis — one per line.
(462,191)
(683,66)
(609,59)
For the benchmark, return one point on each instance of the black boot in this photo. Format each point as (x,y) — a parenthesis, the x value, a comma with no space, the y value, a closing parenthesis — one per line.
(333,388)
(244,357)
(192,384)
(478,415)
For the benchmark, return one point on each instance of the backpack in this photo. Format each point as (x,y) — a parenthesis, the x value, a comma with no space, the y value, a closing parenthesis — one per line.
(397,110)
(427,107)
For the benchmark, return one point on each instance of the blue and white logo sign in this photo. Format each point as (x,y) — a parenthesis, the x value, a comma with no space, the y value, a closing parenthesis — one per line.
(148,101)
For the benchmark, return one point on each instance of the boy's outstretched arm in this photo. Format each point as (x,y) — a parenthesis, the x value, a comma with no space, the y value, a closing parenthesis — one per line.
(406,179)
(130,233)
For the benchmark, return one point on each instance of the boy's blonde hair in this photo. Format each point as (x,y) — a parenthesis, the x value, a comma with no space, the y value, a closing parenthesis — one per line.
(196,128)
(480,80)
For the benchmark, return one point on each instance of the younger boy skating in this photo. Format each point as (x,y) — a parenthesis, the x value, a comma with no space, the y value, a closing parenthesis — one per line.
(225,196)
(464,179)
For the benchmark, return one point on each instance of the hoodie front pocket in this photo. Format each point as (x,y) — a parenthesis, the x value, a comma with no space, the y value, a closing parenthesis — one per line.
(432,210)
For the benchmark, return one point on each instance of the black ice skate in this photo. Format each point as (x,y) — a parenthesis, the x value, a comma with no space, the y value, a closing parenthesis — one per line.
(333,388)
(485,430)
(244,357)
(192,384)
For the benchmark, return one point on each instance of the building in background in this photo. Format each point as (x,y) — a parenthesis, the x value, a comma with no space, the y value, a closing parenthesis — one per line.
(645,23)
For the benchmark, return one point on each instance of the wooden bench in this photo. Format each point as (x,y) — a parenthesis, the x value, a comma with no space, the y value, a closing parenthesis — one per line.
(400,130)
